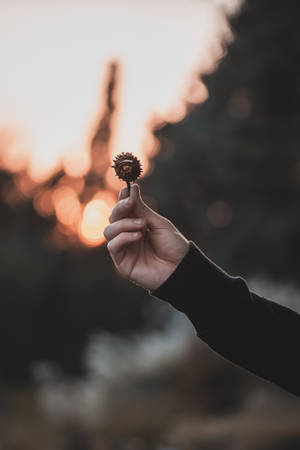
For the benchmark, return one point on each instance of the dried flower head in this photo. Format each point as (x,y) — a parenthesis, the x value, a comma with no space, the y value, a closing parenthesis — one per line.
(127,167)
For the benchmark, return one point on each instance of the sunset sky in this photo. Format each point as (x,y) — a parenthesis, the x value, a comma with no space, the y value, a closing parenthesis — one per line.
(54,56)
(54,61)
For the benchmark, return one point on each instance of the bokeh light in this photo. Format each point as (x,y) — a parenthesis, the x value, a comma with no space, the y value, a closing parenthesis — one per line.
(88,92)
(94,220)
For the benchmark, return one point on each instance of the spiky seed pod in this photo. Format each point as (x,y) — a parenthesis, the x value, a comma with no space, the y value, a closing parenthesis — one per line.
(127,167)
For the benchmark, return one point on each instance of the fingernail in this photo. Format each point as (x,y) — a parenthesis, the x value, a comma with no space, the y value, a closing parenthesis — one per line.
(138,221)
(136,234)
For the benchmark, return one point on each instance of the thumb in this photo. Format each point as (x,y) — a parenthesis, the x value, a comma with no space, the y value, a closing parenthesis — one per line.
(153,219)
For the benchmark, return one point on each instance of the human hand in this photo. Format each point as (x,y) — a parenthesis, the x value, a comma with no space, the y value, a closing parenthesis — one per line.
(145,247)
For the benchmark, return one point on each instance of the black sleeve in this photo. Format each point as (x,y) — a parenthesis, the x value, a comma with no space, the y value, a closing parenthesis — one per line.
(251,331)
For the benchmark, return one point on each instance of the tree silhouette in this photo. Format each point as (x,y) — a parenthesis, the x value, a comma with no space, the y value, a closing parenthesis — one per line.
(232,182)
(52,299)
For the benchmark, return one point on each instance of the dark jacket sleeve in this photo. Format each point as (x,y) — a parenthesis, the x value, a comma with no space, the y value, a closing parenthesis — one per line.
(245,328)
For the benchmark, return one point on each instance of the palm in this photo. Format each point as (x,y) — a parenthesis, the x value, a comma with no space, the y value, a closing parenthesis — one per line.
(149,260)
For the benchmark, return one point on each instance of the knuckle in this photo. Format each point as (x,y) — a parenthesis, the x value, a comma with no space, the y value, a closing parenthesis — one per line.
(106,233)
(122,226)
(110,248)
(122,236)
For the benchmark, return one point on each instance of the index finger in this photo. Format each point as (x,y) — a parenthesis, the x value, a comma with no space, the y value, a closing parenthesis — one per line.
(121,209)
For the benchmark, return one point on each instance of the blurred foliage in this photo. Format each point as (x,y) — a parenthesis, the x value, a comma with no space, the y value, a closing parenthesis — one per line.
(228,174)
(51,299)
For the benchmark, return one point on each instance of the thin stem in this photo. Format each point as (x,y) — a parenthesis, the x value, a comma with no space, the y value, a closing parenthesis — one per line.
(128,187)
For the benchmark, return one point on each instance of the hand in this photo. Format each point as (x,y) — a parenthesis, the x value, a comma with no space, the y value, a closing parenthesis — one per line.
(145,247)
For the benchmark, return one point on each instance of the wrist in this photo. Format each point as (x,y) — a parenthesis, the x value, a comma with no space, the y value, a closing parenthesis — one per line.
(168,267)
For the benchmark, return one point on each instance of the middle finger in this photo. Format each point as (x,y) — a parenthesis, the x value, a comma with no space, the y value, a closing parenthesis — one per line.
(128,224)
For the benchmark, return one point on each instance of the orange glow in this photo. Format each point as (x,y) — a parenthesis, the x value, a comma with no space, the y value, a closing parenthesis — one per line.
(43,203)
(54,64)
(66,205)
(112,181)
(77,166)
(25,184)
(75,183)
(94,220)
(51,74)
(107,196)
(13,156)
(197,93)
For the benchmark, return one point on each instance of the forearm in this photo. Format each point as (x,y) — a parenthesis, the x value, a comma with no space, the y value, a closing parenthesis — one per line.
(247,329)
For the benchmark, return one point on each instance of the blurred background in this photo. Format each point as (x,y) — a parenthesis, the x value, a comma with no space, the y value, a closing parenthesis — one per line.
(207,94)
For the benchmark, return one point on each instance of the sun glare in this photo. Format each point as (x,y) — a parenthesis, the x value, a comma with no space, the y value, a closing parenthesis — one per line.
(94,220)
(54,63)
